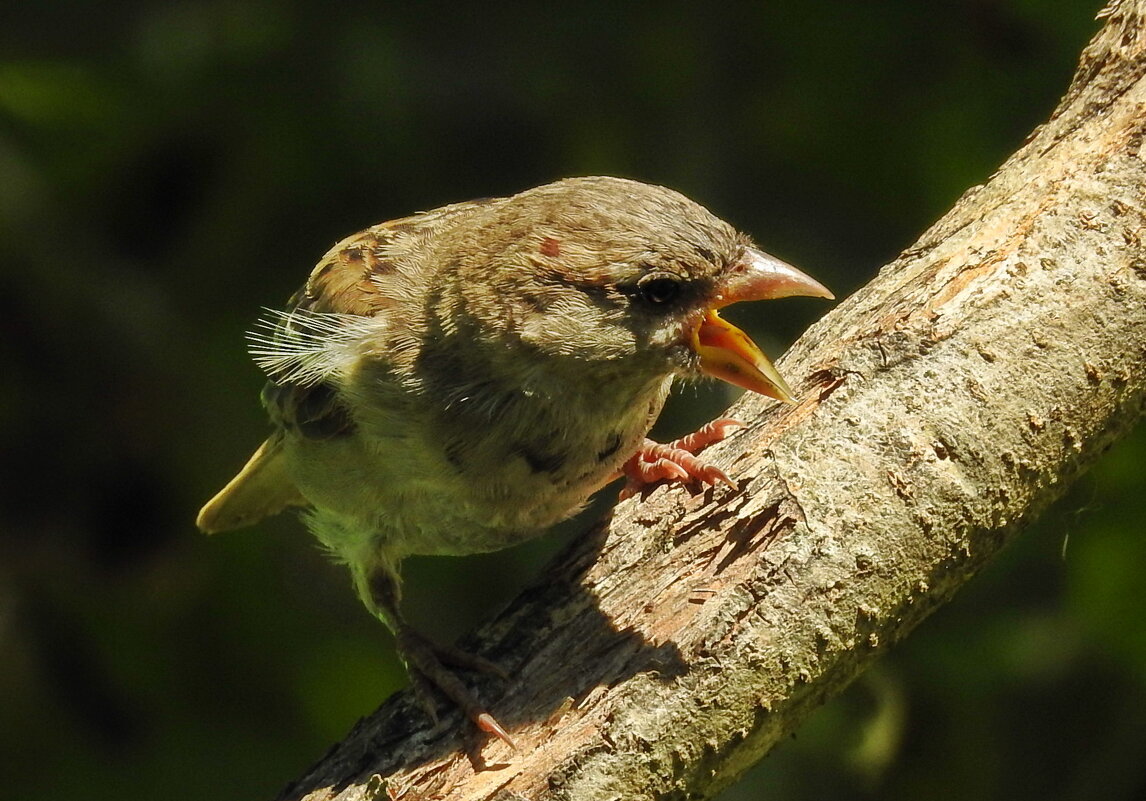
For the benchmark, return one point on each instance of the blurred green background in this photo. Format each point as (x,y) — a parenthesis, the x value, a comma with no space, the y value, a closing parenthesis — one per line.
(168,168)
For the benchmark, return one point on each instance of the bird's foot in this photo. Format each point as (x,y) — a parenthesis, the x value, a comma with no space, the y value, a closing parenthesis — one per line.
(426,662)
(677,460)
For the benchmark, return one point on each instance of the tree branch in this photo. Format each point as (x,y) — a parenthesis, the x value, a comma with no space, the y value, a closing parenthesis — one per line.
(945,405)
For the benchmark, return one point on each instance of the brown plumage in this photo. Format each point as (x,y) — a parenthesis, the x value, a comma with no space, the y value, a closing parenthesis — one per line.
(458,380)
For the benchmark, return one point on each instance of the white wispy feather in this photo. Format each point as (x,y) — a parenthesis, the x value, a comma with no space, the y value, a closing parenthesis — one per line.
(304,347)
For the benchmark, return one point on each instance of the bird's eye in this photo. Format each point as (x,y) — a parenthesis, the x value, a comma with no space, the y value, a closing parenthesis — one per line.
(659,289)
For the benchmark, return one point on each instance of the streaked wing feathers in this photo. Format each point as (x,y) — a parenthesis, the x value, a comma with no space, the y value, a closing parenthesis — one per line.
(302,348)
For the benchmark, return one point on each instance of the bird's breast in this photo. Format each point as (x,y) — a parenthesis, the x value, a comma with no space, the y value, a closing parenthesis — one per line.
(471,478)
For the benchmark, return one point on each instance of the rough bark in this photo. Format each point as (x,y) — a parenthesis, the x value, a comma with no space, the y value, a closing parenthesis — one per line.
(945,405)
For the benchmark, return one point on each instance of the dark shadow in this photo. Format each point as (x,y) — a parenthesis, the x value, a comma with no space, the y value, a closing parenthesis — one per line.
(517,639)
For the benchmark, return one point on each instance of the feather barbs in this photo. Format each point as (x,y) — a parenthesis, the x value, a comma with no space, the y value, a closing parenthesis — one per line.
(305,347)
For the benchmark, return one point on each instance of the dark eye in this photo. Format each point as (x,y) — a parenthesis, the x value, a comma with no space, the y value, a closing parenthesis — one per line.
(659,289)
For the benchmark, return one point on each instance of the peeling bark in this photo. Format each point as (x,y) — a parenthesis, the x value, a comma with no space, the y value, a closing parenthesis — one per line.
(945,405)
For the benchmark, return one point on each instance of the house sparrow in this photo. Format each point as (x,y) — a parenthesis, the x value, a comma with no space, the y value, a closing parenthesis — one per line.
(459,380)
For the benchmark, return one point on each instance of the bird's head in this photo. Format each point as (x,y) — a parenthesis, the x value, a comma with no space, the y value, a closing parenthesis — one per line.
(612,276)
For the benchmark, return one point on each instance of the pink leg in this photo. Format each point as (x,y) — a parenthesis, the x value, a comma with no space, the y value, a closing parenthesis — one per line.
(676,461)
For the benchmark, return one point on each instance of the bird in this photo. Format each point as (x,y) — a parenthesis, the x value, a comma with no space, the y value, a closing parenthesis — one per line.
(457,381)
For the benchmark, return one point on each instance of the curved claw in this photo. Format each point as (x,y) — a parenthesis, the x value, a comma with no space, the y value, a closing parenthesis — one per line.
(424,661)
(676,461)
(485,721)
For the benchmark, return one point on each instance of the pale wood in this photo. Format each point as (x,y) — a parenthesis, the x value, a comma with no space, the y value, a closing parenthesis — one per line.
(946,404)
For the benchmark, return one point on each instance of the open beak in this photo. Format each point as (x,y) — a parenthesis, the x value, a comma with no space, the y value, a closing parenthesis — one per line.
(725,351)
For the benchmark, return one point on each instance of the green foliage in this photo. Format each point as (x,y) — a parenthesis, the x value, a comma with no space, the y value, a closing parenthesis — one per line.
(166,169)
